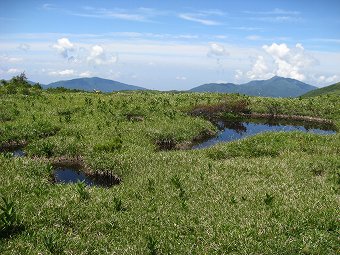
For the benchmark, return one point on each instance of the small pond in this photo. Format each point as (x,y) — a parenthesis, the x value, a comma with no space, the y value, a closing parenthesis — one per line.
(17,151)
(234,130)
(73,174)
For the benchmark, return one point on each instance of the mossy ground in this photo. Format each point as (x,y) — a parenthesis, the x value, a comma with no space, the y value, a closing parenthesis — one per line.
(274,193)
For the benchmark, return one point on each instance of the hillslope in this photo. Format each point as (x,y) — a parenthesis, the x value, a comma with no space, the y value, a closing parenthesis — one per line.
(332,89)
(93,83)
(274,87)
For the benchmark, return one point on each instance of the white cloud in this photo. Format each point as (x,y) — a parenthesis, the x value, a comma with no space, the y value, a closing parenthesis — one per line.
(64,47)
(217,50)
(290,62)
(202,17)
(274,12)
(49,7)
(13,71)
(85,74)
(140,14)
(67,72)
(276,15)
(277,50)
(281,60)
(328,80)
(98,56)
(221,36)
(7,59)
(199,18)
(238,74)
(260,70)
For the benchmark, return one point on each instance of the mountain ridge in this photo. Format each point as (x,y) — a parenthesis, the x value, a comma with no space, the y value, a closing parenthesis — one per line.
(93,83)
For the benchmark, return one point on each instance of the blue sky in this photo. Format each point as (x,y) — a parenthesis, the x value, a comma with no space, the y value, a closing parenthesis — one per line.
(171,44)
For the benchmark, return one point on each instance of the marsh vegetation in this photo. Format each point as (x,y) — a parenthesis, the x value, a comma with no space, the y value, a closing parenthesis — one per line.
(271,193)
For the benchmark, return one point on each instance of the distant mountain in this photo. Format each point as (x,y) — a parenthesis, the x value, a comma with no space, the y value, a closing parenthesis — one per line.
(332,89)
(33,83)
(94,83)
(274,87)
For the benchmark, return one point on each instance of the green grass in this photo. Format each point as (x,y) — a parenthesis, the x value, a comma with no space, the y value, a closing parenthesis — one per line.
(274,193)
(331,89)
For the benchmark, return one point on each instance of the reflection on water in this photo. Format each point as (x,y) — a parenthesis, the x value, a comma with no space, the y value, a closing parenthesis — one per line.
(234,130)
(72,174)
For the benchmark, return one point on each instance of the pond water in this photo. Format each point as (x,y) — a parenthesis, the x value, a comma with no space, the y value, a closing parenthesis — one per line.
(73,174)
(234,130)
(17,151)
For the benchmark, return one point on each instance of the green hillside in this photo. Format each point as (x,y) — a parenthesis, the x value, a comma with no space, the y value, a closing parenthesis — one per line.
(332,89)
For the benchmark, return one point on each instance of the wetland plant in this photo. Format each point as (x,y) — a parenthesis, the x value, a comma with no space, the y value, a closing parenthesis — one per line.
(8,216)
(151,185)
(82,191)
(152,245)
(268,200)
(182,195)
(51,242)
(118,204)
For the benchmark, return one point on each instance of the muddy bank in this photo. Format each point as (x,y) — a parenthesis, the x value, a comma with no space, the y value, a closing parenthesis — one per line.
(172,144)
(287,117)
(10,145)
(98,177)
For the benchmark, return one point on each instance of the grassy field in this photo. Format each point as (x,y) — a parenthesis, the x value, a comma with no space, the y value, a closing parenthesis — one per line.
(274,193)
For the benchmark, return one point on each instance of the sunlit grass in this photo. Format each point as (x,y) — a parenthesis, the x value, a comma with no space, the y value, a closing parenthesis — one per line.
(274,193)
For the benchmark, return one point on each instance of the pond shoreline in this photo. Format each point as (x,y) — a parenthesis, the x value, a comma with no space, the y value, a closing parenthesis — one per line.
(288,117)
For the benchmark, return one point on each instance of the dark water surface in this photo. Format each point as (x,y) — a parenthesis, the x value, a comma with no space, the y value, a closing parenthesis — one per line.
(17,151)
(234,130)
(70,174)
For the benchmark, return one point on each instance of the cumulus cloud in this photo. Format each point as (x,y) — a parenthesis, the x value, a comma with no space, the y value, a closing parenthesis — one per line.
(260,69)
(277,50)
(281,60)
(66,72)
(217,50)
(64,47)
(290,62)
(98,56)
